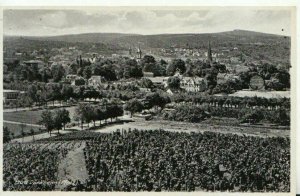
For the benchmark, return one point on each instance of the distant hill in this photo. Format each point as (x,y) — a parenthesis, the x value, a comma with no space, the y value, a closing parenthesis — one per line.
(168,40)
(254,46)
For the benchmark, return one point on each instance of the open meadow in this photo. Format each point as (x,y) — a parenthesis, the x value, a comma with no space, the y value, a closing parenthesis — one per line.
(15,129)
(30,116)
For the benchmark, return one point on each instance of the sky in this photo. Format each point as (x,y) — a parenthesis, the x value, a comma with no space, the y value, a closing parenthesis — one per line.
(145,21)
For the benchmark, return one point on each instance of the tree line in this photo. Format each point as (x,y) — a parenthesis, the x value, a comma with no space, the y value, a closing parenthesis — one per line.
(86,113)
(56,119)
(230,101)
(196,114)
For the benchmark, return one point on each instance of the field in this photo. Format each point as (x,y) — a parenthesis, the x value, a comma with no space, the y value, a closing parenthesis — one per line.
(16,129)
(58,163)
(265,94)
(30,117)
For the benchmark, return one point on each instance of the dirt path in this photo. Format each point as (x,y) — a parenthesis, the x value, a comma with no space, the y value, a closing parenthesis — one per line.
(72,168)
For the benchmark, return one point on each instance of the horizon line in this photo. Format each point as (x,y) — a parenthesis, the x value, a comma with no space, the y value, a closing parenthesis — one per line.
(142,34)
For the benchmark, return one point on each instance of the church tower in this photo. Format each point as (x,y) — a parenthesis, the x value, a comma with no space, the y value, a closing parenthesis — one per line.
(139,52)
(209,54)
(130,51)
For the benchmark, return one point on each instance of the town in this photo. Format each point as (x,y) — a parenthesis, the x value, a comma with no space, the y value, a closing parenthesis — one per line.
(147,115)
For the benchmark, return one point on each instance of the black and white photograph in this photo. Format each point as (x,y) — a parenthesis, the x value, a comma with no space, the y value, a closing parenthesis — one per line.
(147,99)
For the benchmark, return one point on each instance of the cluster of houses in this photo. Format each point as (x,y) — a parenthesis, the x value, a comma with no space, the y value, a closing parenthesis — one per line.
(76,80)
(189,84)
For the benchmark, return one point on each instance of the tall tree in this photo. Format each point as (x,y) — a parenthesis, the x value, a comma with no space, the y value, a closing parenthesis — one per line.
(87,72)
(67,92)
(58,119)
(47,120)
(133,106)
(58,72)
(65,117)
(83,112)
(176,64)
(173,82)
(32,133)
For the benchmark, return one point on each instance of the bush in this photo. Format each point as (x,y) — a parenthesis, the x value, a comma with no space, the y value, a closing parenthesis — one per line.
(253,116)
(281,116)
(187,114)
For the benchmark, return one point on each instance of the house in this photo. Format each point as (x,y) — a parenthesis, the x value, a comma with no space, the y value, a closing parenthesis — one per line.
(75,80)
(145,90)
(18,54)
(159,81)
(11,95)
(235,60)
(169,91)
(96,80)
(35,63)
(193,84)
(148,74)
(224,77)
(71,77)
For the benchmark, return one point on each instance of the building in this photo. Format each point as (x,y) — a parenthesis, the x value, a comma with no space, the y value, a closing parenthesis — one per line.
(159,81)
(148,74)
(75,80)
(94,58)
(209,54)
(11,95)
(193,84)
(96,80)
(235,59)
(139,53)
(146,90)
(224,77)
(35,63)
(129,51)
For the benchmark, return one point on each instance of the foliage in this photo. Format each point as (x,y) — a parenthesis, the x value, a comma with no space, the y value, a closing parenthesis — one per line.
(173,82)
(146,83)
(187,113)
(47,120)
(133,106)
(176,64)
(58,72)
(251,116)
(157,99)
(87,72)
(6,135)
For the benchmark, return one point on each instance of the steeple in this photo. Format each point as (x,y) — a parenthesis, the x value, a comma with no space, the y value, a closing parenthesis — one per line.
(130,51)
(139,51)
(209,55)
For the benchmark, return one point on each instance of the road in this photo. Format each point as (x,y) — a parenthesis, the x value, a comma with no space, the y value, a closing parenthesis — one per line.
(31,108)
(21,123)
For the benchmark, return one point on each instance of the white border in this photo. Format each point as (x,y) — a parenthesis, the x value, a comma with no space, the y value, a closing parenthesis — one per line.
(12,3)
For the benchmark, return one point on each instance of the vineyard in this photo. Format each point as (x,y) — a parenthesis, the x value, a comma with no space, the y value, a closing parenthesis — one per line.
(33,166)
(149,160)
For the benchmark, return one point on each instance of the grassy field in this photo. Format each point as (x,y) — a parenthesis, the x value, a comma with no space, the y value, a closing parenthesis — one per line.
(15,129)
(31,117)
